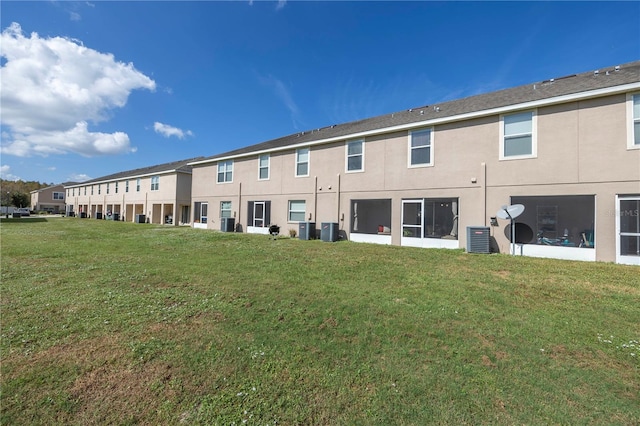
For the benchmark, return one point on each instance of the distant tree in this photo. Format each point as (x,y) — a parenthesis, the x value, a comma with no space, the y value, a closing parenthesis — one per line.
(9,189)
(20,199)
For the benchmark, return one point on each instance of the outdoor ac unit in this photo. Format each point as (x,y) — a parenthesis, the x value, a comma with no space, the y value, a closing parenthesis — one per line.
(329,231)
(307,230)
(227,224)
(478,239)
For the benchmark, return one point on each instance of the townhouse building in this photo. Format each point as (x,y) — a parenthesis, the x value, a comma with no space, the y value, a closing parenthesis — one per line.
(50,199)
(567,149)
(159,194)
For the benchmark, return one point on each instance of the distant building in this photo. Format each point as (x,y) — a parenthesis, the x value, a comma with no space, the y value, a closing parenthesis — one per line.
(158,194)
(50,199)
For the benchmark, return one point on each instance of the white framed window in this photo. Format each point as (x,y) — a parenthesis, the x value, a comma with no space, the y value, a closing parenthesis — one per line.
(302,162)
(91,189)
(263,167)
(99,189)
(518,135)
(116,187)
(200,211)
(107,188)
(297,210)
(126,186)
(73,192)
(225,171)
(155,183)
(138,185)
(85,190)
(420,148)
(355,156)
(633,112)
(225,209)
(58,195)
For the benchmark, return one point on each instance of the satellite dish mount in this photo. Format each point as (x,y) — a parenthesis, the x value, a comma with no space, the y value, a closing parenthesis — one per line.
(511,213)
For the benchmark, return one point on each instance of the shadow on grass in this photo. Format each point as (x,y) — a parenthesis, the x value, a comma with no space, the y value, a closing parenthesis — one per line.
(24,220)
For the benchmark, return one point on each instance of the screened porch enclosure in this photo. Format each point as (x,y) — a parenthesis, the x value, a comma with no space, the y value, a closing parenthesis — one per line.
(371,221)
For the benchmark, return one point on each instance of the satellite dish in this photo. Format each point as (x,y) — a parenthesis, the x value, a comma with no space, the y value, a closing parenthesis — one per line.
(510,212)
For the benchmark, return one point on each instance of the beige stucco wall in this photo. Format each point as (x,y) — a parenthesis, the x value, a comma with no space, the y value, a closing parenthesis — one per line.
(581,149)
(43,199)
(174,191)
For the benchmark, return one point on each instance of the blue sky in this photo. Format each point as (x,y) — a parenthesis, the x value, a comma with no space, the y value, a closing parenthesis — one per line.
(93,88)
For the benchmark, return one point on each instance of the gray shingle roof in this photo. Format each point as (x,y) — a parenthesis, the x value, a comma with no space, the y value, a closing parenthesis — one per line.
(181,166)
(563,86)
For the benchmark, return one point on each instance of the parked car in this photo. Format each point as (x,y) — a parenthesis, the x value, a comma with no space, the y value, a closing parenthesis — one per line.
(24,211)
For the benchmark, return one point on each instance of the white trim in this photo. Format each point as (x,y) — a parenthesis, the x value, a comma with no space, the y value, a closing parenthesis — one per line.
(626,260)
(630,121)
(534,137)
(553,252)
(370,238)
(429,243)
(268,166)
(444,120)
(258,230)
(346,156)
(409,148)
(224,181)
(295,170)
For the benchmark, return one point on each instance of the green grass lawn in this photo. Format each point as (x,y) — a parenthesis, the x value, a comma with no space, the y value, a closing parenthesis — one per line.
(110,322)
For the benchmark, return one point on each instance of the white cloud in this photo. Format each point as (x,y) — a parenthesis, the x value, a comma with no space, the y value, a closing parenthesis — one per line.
(79,177)
(51,88)
(75,16)
(167,131)
(5,173)
(281,4)
(78,139)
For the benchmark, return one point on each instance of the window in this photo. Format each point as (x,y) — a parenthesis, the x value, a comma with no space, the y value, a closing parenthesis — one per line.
(126,186)
(297,211)
(107,188)
(302,162)
(91,189)
(355,156)
(155,183)
(200,212)
(58,195)
(420,148)
(225,209)
(85,190)
(73,192)
(263,167)
(116,187)
(99,189)
(634,128)
(225,171)
(259,213)
(517,139)
(566,221)
(138,185)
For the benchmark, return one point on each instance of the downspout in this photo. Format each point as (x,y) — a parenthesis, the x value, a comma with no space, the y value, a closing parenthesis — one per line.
(483,167)
(338,193)
(239,204)
(315,199)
